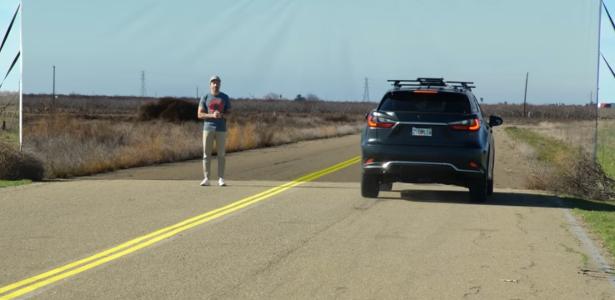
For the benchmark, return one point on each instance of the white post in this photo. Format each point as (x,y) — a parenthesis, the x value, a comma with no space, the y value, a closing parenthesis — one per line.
(21,75)
(597,81)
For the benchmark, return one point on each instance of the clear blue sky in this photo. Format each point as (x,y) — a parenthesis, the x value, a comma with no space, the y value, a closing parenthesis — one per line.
(11,48)
(321,47)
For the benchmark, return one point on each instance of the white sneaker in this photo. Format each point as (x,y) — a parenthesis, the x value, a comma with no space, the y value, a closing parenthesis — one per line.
(221,182)
(205,182)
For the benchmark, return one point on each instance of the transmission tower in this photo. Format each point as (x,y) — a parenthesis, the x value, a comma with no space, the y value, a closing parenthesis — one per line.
(366,91)
(143,92)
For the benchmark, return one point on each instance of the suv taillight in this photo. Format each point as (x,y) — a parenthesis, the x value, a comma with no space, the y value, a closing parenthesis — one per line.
(379,122)
(466,125)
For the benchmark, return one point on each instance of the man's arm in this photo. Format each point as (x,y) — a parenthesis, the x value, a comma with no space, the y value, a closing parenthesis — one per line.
(202,113)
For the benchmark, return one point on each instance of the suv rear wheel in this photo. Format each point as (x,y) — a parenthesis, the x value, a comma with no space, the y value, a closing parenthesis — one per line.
(490,187)
(479,190)
(370,186)
(490,180)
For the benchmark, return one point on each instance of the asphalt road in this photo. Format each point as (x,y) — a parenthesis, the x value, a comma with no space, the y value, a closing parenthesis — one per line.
(318,239)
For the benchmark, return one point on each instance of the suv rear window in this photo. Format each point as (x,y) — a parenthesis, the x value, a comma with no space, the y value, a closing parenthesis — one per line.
(441,102)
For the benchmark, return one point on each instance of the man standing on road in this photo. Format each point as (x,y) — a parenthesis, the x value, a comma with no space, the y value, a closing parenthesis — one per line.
(212,108)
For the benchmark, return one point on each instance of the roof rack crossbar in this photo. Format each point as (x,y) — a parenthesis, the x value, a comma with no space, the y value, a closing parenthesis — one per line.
(421,81)
(431,82)
(409,84)
(465,84)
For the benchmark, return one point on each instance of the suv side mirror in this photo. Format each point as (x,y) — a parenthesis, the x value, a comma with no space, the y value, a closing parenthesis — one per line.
(495,121)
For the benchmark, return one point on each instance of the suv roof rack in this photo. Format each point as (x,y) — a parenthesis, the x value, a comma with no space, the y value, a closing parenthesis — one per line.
(421,81)
(468,85)
(432,82)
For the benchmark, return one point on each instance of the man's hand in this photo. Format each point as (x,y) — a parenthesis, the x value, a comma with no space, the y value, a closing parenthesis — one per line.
(217,114)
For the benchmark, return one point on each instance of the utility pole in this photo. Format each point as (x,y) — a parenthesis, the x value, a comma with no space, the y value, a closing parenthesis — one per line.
(143,93)
(527,75)
(53,93)
(53,89)
(366,91)
(197,92)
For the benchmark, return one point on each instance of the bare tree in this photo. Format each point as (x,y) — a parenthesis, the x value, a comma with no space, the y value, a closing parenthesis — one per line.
(273,96)
(3,108)
(299,98)
(312,97)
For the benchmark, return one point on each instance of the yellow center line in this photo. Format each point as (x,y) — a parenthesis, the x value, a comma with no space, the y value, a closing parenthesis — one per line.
(74,268)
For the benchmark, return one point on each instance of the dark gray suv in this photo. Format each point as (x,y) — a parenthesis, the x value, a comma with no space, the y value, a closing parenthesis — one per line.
(428,131)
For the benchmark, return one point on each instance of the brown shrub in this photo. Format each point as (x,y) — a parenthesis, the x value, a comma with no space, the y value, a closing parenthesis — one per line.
(341,118)
(15,165)
(579,176)
(586,178)
(169,109)
(149,111)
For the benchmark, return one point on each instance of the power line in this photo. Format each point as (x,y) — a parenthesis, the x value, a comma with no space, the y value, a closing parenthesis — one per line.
(608,14)
(608,65)
(8,30)
(10,68)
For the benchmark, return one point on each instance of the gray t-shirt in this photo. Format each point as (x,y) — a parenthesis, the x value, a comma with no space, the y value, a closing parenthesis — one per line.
(212,103)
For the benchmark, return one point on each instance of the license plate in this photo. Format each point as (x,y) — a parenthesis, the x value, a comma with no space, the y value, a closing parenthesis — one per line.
(421,131)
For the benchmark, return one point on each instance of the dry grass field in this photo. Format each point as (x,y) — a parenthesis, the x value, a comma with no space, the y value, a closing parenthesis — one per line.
(575,133)
(582,134)
(606,146)
(572,125)
(513,113)
(76,136)
(9,117)
(564,154)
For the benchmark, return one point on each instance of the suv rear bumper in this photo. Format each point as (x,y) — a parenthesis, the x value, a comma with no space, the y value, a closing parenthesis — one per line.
(448,165)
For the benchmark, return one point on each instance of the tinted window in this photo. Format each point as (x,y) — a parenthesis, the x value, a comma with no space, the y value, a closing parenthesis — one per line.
(441,102)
